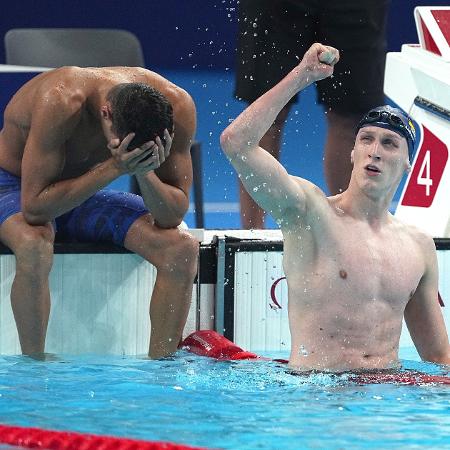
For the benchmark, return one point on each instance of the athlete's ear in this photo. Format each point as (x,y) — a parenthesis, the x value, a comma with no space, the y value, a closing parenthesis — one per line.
(352,157)
(105,111)
(408,167)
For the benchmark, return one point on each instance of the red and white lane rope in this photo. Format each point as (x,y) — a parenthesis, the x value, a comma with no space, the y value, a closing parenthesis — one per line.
(67,440)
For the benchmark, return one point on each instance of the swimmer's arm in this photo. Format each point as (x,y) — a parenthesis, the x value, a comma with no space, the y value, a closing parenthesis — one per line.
(166,190)
(423,313)
(264,178)
(269,184)
(54,118)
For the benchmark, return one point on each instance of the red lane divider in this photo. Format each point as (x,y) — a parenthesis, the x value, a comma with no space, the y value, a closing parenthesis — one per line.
(412,378)
(65,440)
(214,345)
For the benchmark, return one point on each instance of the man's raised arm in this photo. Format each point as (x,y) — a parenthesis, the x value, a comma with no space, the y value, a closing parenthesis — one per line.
(263,176)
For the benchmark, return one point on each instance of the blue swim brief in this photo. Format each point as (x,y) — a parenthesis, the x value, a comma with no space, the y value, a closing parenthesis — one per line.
(104,217)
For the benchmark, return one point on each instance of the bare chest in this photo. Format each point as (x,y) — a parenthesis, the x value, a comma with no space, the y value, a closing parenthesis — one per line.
(376,269)
(354,265)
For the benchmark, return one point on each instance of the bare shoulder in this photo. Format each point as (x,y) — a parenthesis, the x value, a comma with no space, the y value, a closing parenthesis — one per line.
(311,190)
(61,90)
(312,201)
(44,91)
(316,201)
(182,103)
(422,240)
(58,103)
(180,99)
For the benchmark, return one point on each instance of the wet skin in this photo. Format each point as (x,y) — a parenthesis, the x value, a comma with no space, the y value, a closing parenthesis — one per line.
(58,137)
(353,270)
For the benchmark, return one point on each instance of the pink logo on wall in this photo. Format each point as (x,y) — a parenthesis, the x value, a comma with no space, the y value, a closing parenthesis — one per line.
(427,171)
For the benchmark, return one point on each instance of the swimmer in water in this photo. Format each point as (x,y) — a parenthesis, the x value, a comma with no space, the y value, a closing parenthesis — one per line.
(67,134)
(353,270)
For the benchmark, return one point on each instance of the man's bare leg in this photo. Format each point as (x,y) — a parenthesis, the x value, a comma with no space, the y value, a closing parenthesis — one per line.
(338,146)
(174,253)
(30,295)
(252,216)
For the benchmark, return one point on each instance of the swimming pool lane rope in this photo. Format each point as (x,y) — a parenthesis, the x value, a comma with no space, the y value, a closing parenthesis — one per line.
(26,437)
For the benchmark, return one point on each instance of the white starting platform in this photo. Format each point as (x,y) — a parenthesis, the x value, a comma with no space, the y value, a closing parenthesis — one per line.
(417,79)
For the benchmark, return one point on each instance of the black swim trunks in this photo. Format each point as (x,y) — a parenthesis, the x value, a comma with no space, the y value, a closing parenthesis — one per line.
(275,34)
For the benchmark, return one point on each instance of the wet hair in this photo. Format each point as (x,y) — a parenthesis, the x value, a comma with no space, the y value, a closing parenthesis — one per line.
(140,109)
(393,119)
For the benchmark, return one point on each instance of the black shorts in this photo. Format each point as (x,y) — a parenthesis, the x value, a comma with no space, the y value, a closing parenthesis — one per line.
(275,34)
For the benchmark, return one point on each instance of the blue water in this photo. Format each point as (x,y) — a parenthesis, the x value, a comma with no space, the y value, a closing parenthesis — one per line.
(235,405)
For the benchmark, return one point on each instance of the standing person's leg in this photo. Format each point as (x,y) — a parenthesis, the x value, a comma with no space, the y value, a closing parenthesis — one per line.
(30,294)
(123,219)
(357,28)
(338,146)
(251,76)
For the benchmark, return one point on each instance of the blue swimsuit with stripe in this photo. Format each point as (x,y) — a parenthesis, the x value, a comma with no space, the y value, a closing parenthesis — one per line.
(104,217)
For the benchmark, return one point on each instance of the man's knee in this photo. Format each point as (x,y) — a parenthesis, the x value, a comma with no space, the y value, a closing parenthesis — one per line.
(180,257)
(34,248)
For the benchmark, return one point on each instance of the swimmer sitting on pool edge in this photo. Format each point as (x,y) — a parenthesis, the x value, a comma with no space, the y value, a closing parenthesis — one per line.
(353,270)
(67,134)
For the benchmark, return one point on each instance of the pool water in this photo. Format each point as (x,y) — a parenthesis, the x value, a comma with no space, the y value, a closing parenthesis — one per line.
(198,401)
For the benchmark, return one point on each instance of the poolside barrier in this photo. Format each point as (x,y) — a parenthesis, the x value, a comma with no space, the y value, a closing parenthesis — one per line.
(100,295)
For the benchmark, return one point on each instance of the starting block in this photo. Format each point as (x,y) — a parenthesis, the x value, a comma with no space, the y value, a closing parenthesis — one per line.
(417,79)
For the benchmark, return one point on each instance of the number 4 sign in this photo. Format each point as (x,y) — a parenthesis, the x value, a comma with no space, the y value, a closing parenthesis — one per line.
(427,171)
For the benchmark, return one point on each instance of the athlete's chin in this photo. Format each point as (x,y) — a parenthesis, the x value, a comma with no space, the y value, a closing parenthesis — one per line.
(372,187)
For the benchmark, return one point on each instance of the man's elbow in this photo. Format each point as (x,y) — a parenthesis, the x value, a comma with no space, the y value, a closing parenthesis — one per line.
(228,142)
(33,217)
(168,223)
(172,220)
